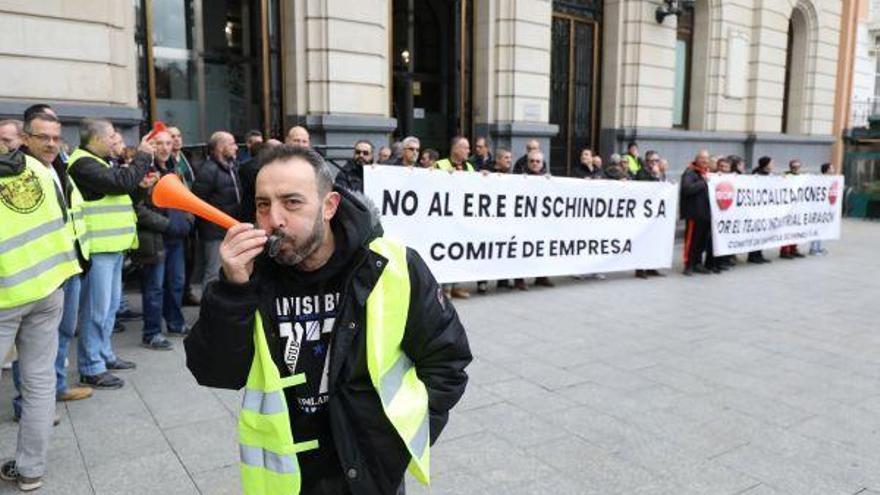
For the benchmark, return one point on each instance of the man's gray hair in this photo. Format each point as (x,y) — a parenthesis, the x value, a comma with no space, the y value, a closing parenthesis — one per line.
(214,141)
(19,127)
(410,140)
(616,159)
(90,129)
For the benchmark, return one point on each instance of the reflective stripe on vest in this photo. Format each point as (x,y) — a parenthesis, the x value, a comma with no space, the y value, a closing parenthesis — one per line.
(77,220)
(109,221)
(264,459)
(36,248)
(404,397)
(268,453)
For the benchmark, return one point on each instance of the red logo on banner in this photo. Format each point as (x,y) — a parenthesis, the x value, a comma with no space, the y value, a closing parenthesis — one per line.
(724,195)
(834,192)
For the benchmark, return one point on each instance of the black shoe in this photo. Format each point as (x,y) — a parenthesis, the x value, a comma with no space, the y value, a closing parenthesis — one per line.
(798,255)
(8,472)
(121,365)
(786,256)
(688,272)
(118,327)
(128,315)
(757,261)
(105,380)
(715,270)
(157,343)
(190,299)
(183,332)
(544,282)
(701,269)
(765,260)
(641,274)
(503,284)
(722,267)
(654,273)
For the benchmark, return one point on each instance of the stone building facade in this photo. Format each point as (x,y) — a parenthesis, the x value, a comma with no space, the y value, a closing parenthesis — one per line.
(76,54)
(746,77)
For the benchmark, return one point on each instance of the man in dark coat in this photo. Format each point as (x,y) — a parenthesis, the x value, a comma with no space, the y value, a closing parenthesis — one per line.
(218,184)
(161,233)
(351,176)
(695,211)
(765,168)
(311,297)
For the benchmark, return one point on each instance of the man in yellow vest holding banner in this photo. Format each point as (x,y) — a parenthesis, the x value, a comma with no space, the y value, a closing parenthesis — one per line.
(37,255)
(350,354)
(110,220)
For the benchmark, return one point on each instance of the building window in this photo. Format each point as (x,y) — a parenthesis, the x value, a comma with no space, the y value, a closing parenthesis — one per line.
(794,101)
(205,69)
(877,68)
(683,54)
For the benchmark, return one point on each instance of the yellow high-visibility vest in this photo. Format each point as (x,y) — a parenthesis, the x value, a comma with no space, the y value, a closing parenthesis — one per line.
(446,164)
(77,221)
(110,222)
(36,246)
(267,447)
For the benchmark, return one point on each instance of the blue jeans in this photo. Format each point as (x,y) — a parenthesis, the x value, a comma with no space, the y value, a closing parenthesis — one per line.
(66,331)
(815,247)
(99,301)
(175,279)
(152,281)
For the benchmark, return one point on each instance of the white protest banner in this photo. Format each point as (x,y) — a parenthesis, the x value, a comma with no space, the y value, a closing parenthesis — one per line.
(753,212)
(468,226)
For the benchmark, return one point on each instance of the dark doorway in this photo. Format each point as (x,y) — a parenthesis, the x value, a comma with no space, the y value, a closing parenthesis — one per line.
(204,69)
(573,89)
(432,70)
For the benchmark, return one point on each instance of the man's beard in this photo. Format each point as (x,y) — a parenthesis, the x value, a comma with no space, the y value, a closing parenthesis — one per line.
(299,251)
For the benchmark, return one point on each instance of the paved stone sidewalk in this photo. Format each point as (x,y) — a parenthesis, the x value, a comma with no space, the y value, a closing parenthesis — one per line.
(760,381)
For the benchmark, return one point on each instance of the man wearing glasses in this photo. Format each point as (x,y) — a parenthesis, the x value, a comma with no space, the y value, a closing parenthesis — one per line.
(409,152)
(351,176)
(522,164)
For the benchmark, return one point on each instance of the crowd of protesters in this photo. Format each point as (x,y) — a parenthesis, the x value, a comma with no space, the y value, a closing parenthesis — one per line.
(103,187)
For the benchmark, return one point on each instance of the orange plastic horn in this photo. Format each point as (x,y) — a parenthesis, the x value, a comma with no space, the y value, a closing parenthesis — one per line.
(170,192)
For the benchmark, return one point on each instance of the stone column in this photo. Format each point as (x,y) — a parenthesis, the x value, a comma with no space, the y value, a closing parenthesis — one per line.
(512,72)
(336,67)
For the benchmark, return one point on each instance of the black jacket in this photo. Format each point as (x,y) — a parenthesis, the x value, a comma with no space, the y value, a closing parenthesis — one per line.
(94,180)
(644,175)
(694,196)
(219,185)
(521,166)
(581,171)
(247,172)
(481,164)
(220,351)
(351,176)
(155,226)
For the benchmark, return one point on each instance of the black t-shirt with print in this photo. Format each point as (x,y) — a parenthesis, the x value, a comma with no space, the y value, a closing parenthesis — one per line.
(305,311)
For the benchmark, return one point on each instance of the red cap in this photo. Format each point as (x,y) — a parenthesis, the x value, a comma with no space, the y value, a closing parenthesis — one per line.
(158,126)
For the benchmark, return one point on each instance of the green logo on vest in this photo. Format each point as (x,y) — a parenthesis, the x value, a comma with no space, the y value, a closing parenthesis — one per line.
(22,194)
